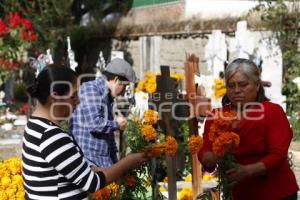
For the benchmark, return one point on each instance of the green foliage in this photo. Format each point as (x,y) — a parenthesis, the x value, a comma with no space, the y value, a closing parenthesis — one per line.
(284,20)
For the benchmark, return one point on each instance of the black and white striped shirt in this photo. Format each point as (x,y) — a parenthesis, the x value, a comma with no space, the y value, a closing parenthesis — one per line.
(53,165)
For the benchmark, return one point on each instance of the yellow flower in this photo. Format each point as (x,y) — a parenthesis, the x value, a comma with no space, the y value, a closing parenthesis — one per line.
(171,146)
(186,194)
(207,177)
(3,195)
(151,85)
(141,85)
(195,144)
(151,116)
(162,189)
(11,192)
(4,171)
(14,165)
(20,195)
(177,76)
(5,181)
(188,178)
(17,180)
(148,75)
(149,132)
(219,88)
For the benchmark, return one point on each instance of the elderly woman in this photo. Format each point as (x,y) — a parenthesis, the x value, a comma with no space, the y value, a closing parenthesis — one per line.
(264,172)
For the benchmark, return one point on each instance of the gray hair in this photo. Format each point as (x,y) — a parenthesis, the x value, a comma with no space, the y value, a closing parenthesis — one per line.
(250,69)
(246,66)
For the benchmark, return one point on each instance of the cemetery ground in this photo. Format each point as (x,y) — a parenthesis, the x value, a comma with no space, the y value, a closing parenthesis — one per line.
(11,145)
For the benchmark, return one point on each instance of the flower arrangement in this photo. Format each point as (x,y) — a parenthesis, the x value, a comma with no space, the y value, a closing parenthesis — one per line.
(143,137)
(219,88)
(11,181)
(224,141)
(148,84)
(16,37)
(186,194)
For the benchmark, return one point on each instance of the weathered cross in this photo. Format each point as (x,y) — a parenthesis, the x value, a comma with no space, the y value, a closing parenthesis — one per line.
(165,97)
(199,105)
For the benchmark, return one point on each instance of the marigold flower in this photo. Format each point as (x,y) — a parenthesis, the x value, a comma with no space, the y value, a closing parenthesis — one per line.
(177,76)
(140,86)
(171,146)
(3,195)
(186,194)
(11,181)
(114,188)
(219,88)
(151,116)
(195,144)
(149,132)
(225,142)
(155,150)
(5,181)
(188,178)
(130,181)
(149,75)
(151,85)
(102,194)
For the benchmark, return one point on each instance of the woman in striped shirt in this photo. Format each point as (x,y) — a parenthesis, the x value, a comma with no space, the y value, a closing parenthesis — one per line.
(53,164)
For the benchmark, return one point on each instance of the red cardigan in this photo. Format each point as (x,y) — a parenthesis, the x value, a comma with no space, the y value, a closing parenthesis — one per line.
(265,140)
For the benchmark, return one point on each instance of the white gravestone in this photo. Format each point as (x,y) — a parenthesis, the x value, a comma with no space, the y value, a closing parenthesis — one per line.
(271,56)
(242,45)
(216,53)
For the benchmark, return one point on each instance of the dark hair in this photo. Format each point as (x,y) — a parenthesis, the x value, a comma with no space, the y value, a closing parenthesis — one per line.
(40,89)
(250,69)
(110,76)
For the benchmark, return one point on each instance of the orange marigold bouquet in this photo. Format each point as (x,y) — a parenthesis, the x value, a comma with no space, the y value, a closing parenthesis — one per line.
(141,136)
(224,140)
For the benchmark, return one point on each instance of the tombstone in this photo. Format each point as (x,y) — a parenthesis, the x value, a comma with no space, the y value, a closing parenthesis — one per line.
(216,53)
(242,45)
(258,46)
(215,56)
(150,54)
(272,67)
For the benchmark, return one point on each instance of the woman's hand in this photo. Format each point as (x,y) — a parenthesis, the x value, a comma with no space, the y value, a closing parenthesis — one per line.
(244,171)
(238,173)
(135,160)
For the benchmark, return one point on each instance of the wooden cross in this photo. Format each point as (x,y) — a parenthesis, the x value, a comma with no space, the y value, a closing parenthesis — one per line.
(165,96)
(199,104)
